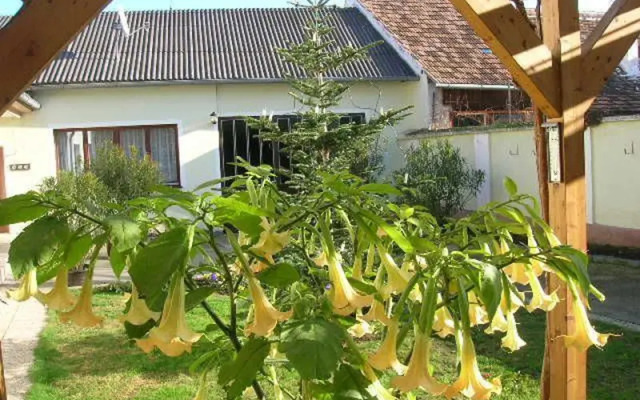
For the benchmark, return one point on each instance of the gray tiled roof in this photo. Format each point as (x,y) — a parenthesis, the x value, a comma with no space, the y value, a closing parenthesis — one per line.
(210,45)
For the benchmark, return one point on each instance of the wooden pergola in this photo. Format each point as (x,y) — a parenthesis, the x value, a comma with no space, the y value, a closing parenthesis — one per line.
(562,75)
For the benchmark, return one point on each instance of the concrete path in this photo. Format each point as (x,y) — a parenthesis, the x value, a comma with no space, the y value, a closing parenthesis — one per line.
(24,323)
(619,280)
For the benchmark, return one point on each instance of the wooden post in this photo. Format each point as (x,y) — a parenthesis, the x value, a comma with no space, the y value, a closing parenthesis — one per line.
(566,377)
(3,385)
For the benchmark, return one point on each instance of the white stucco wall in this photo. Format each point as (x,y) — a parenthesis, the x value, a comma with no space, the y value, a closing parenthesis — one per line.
(30,139)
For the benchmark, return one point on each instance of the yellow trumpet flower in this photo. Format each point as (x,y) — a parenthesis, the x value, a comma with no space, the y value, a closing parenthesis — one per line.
(322,260)
(265,315)
(477,314)
(82,313)
(498,323)
(375,388)
(377,313)
(398,279)
(139,313)
(270,242)
(203,388)
(28,287)
(585,335)
(357,268)
(59,298)
(517,273)
(371,259)
(443,324)
(387,357)
(512,340)
(539,298)
(361,328)
(471,383)
(417,374)
(172,336)
(343,296)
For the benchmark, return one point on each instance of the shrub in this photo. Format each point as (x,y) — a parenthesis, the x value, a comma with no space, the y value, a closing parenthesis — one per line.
(438,177)
(126,176)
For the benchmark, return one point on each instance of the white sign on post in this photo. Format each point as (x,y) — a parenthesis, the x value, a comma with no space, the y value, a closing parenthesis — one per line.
(555,158)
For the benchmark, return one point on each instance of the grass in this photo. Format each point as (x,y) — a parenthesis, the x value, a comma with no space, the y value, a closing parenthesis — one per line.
(102,364)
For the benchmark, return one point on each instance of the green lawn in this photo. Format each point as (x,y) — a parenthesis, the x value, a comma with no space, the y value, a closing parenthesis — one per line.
(101,364)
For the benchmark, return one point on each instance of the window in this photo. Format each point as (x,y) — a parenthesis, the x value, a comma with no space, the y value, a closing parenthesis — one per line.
(76,147)
(237,139)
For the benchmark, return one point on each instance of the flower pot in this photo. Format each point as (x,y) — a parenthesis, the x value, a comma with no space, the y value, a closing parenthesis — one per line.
(77,277)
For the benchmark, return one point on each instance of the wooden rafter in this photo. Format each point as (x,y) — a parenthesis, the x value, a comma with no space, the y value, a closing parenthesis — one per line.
(34,37)
(516,44)
(606,46)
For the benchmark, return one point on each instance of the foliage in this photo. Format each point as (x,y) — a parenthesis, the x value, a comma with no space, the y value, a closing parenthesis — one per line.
(437,176)
(319,141)
(127,176)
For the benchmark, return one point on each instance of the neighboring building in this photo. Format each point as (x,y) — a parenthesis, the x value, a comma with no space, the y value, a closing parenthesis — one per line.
(178,87)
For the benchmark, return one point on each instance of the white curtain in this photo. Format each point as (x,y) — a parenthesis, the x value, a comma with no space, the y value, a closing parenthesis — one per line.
(70,150)
(163,152)
(98,139)
(133,138)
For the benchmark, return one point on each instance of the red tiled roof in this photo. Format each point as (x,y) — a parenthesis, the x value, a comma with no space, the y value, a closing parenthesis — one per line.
(441,40)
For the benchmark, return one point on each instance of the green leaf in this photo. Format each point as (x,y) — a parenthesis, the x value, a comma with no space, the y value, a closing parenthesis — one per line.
(314,347)
(21,208)
(279,276)
(154,264)
(381,188)
(124,232)
(37,244)
(239,373)
(138,331)
(118,262)
(242,215)
(197,296)
(76,250)
(510,186)
(490,288)
(363,287)
(350,384)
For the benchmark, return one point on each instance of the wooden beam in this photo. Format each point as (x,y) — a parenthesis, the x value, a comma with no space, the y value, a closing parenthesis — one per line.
(607,45)
(3,385)
(34,37)
(516,44)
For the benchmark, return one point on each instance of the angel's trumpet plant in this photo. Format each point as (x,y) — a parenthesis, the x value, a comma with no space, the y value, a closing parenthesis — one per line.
(387,357)
(443,324)
(270,242)
(28,287)
(498,323)
(139,313)
(540,300)
(265,315)
(172,336)
(471,383)
(361,328)
(512,339)
(82,313)
(375,388)
(585,335)
(203,388)
(59,298)
(477,314)
(377,311)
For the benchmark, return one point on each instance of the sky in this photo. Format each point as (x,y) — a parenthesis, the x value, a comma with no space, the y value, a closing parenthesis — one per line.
(9,7)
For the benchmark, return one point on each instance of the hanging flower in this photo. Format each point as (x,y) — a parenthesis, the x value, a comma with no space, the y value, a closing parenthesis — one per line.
(417,374)
(173,336)
(471,383)
(258,265)
(322,260)
(265,315)
(517,273)
(343,296)
(512,340)
(398,279)
(82,313)
(539,298)
(59,298)
(375,388)
(360,329)
(585,335)
(28,287)
(443,324)
(498,323)
(371,259)
(477,314)
(377,313)
(203,388)
(357,268)
(386,357)
(139,313)
(270,242)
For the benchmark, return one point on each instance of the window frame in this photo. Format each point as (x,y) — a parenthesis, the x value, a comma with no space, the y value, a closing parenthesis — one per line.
(117,130)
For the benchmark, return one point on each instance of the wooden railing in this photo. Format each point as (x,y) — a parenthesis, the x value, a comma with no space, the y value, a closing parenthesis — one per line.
(490,117)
